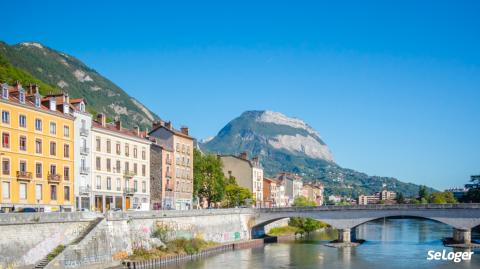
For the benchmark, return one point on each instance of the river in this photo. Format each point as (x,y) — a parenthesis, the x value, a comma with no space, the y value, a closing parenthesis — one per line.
(390,243)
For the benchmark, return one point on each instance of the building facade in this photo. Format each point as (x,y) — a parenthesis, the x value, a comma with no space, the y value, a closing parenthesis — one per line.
(385,196)
(293,185)
(120,167)
(36,153)
(248,173)
(313,191)
(181,144)
(270,192)
(161,180)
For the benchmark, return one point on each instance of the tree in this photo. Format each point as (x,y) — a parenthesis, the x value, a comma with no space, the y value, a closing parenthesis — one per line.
(442,198)
(306,225)
(209,181)
(303,201)
(400,198)
(473,194)
(236,195)
(423,193)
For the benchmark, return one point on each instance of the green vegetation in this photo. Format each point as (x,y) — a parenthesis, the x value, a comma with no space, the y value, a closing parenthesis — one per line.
(425,197)
(170,247)
(473,194)
(284,230)
(306,225)
(54,253)
(303,201)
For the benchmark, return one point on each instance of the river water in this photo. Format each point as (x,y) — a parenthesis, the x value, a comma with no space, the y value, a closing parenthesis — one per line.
(390,243)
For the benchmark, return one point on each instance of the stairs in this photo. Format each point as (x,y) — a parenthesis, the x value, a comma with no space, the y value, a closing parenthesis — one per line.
(45,261)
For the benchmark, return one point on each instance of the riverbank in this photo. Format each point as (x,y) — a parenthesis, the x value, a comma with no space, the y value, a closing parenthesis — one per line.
(166,260)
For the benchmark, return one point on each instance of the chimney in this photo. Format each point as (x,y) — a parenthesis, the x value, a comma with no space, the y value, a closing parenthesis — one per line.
(66,103)
(118,124)
(243,155)
(168,125)
(184,130)
(255,159)
(156,124)
(30,89)
(137,130)
(17,85)
(102,119)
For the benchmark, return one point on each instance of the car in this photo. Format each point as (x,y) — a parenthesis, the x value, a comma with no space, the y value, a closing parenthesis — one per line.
(27,210)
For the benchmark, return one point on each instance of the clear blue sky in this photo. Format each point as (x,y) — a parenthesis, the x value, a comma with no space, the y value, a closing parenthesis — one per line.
(392,86)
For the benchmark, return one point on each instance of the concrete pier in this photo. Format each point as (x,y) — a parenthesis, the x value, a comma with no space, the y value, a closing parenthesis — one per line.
(462,236)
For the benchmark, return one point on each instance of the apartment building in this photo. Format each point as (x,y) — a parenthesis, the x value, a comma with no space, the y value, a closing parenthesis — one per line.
(385,196)
(313,191)
(293,185)
(248,173)
(120,166)
(181,143)
(270,192)
(161,177)
(36,153)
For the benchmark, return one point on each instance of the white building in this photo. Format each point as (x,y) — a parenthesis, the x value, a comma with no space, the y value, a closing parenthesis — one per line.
(120,166)
(293,185)
(82,155)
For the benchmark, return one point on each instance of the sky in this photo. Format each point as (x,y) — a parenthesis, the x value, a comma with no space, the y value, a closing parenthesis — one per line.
(393,87)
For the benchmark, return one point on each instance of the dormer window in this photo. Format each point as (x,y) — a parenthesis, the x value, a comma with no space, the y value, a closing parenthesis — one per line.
(5,91)
(21,96)
(37,100)
(82,107)
(53,104)
(66,108)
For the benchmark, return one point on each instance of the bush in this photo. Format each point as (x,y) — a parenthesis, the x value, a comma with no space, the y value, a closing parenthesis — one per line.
(285,230)
(55,252)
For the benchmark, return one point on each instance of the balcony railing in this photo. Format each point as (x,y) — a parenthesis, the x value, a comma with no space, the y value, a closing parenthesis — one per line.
(54,178)
(84,131)
(129,174)
(84,190)
(84,170)
(23,175)
(128,191)
(84,150)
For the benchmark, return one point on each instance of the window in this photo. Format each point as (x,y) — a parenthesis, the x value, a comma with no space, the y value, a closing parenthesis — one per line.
(23,166)
(38,192)
(53,169)
(99,182)
(38,170)
(21,96)
(66,173)
(135,152)
(6,190)
(127,183)
(144,154)
(135,186)
(109,146)
(23,191)
(178,147)
(109,165)
(126,167)
(5,92)
(23,143)
(53,128)
(53,148)
(66,151)
(119,184)
(118,148)
(66,193)
(118,166)
(109,183)
(98,145)
(37,101)
(38,124)
(5,117)
(6,167)
(144,170)
(6,140)
(144,186)
(98,164)
(135,168)
(22,121)
(38,146)
(127,150)
(66,131)
(53,192)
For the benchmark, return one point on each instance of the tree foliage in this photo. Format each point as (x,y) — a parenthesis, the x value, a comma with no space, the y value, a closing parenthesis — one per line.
(303,201)
(236,195)
(306,225)
(209,181)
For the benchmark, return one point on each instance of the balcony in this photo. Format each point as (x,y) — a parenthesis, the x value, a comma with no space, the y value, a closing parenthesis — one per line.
(169,161)
(23,175)
(85,190)
(83,131)
(84,150)
(54,178)
(84,170)
(128,191)
(129,174)
(168,174)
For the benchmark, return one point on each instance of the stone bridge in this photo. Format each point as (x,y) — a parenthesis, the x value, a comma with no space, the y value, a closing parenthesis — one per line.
(462,217)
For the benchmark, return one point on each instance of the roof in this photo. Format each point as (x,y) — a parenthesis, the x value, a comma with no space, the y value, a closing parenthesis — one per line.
(171,130)
(240,158)
(123,131)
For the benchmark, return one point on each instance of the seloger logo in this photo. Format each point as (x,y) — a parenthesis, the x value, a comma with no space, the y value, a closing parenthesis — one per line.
(450,256)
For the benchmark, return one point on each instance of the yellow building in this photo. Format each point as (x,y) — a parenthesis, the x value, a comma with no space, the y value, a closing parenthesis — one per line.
(36,150)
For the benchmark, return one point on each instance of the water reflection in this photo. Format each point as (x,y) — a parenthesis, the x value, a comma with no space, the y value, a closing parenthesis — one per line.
(390,243)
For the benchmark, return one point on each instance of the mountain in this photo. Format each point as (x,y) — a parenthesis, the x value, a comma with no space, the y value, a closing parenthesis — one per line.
(289,144)
(55,71)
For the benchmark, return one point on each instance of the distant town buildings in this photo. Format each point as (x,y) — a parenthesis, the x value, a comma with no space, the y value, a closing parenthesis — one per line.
(385,196)
(313,191)
(292,184)
(247,173)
